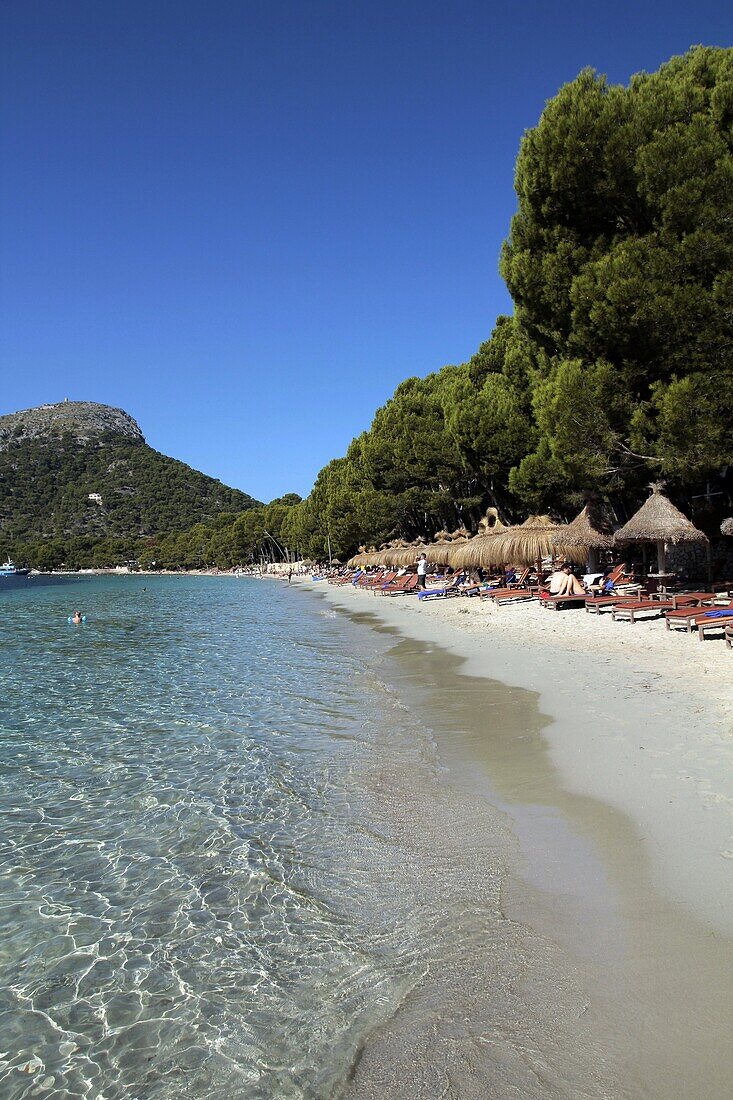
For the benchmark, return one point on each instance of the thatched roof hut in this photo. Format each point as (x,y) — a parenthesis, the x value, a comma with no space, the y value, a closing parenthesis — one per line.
(726,527)
(659,521)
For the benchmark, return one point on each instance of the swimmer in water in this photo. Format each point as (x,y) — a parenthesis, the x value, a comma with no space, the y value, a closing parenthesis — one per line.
(76,618)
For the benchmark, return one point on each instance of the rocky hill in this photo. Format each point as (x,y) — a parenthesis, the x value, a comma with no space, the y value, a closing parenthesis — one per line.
(80,468)
(83,420)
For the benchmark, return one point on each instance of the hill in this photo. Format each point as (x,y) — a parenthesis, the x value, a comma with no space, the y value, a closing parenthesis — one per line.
(80,468)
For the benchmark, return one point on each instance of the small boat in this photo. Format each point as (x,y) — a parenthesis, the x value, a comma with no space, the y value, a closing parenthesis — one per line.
(8,569)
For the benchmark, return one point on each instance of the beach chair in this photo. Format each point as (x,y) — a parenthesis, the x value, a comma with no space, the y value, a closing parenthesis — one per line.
(378,579)
(515,595)
(594,605)
(714,618)
(451,589)
(394,584)
(402,586)
(632,609)
(687,617)
(346,578)
(388,580)
(554,602)
(519,583)
(617,577)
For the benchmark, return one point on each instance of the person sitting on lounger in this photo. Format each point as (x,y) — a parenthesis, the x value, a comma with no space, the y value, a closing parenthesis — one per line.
(472,585)
(558,581)
(573,585)
(563,582)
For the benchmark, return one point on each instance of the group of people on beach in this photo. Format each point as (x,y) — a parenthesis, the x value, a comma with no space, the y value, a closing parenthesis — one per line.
(563,581)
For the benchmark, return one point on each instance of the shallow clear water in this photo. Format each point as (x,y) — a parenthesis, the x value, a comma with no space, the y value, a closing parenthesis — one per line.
(186,892)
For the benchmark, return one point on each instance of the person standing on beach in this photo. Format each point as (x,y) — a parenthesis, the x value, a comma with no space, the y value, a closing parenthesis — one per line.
(422,570)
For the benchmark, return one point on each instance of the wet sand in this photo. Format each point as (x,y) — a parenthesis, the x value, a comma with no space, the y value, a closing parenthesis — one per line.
(597,961)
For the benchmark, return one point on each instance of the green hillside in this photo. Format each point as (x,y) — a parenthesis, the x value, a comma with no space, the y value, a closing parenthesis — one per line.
(52,458)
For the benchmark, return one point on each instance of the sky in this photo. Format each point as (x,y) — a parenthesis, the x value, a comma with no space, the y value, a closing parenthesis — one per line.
(246,223)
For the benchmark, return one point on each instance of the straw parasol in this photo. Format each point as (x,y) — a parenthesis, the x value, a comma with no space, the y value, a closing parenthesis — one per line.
(410,555)
(726,527)
(363,558)
(659,521)
(490,522)
(443,550)
(469,552)
(591,530)
(524,544)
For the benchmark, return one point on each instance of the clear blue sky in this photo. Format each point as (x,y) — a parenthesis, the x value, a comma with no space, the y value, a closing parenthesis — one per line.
(246,223)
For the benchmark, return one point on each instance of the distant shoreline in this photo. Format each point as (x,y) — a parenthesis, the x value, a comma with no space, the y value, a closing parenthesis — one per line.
(139,573)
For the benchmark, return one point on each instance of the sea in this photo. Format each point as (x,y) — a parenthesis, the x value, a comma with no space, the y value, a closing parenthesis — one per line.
(254,847)
(188,902)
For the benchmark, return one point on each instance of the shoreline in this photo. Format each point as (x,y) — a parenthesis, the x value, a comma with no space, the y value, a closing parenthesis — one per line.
(644,725)
(614,880)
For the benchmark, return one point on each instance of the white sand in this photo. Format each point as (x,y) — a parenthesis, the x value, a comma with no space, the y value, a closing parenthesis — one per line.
(642,721)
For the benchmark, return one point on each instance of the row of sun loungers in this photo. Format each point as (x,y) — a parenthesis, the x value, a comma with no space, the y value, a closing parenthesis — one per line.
(706,612)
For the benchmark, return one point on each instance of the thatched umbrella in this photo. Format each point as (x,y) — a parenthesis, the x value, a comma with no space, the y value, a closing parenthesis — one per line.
(473,552)
(591,530)
(726,527)
(526,544)
(659,521)
(410,554)
(491,522)
(363,559)
(443,550)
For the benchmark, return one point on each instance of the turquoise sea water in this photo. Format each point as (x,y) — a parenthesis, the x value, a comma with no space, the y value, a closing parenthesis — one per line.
(186,894)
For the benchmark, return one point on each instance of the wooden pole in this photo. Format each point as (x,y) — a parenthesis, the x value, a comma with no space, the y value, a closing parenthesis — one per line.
(661,556)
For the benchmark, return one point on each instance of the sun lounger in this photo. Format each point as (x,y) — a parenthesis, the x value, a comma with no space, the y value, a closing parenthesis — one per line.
(683,599)
(400,587)
(519,583)
(713,619)
(686,617)
(394,584)
(514,595)
(632,609)
(596,604)
(452,589)
(554,602)
(378,579)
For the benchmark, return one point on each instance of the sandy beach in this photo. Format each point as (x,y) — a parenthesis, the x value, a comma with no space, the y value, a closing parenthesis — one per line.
(621,802)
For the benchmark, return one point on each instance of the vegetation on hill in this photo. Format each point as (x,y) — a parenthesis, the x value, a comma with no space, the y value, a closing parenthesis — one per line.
(81,474)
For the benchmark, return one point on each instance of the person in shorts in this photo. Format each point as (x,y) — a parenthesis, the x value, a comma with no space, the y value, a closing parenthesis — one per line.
(422,570)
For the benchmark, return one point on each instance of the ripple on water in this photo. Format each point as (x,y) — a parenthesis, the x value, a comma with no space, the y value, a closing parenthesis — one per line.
(183,889)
